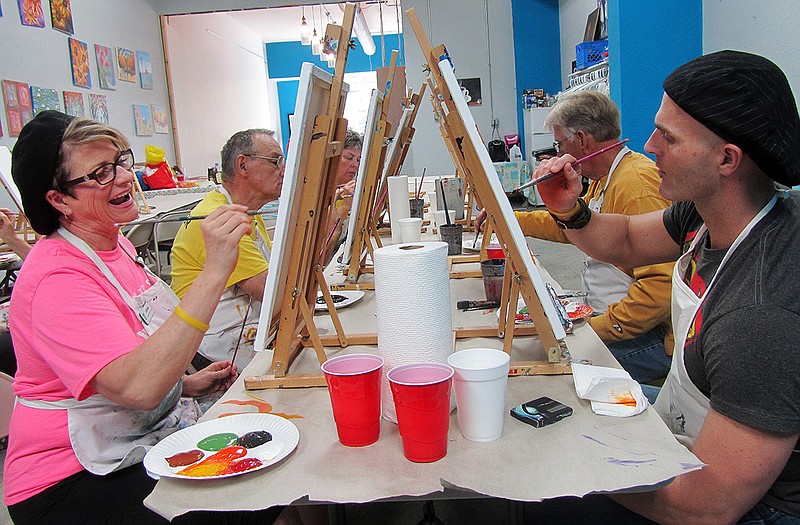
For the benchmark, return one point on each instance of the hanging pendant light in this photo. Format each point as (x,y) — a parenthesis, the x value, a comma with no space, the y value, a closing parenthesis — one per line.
(315,40)
(305,31)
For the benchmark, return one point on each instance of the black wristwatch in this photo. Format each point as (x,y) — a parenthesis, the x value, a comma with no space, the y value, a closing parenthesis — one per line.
(578,220)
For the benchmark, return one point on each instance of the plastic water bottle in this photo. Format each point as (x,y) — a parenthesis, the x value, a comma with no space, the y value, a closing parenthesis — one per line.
(514,154)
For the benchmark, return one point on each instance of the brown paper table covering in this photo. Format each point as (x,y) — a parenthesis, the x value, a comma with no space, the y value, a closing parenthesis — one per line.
(583,453)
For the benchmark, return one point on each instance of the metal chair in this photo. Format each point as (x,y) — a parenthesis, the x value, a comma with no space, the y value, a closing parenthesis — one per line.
(164,236)
(141,236)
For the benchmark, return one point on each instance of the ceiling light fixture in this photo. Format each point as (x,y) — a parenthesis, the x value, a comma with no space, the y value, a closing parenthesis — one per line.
(305,32)
(361,31)
(315,40)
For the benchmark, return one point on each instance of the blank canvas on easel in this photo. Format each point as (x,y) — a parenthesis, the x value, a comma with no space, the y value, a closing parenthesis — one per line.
(312,100)
(373,115)
(518,238)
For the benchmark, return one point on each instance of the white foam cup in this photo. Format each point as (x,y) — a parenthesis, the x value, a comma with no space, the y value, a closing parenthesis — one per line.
(481,376)
(410,229)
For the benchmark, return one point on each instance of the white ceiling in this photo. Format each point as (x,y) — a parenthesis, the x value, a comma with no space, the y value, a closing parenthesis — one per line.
(282,24)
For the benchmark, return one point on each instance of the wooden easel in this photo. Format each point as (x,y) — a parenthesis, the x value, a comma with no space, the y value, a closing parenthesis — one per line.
(365,232)
(296,329)
(395,163)
(466,156)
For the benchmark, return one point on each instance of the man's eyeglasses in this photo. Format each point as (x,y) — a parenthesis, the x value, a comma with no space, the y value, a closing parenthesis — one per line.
(557,144)
(106,173)
(278,161)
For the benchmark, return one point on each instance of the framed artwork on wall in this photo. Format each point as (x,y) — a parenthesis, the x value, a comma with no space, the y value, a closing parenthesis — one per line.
(160,124)
(471,88)
(106,67)
(73,104)
(31,13)
(145,69)
(43,99)
(61,16)
(99,108)
(79,58)
(126,65)
(17,99)
(142,120)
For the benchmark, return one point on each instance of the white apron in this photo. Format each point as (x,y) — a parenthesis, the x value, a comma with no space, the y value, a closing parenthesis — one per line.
(105,436)
(680,403)
(221,338)
(604,283)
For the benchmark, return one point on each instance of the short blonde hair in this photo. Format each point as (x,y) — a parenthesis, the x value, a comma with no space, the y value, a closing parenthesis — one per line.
(83,131)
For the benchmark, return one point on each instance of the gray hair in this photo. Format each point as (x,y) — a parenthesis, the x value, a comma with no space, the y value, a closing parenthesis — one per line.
(353,139)
(590,111)
(240,143)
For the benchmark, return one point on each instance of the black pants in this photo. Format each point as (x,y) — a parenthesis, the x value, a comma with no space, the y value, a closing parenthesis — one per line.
(115,498)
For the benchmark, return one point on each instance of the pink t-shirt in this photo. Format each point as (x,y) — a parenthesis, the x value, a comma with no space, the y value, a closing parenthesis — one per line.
(68,322)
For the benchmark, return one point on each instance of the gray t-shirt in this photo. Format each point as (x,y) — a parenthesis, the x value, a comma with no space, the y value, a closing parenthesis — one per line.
(743,350)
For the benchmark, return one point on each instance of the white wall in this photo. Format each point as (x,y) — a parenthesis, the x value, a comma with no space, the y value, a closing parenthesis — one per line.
(464,33)
(40,57)
(766,28)
(219,84)
(572,16)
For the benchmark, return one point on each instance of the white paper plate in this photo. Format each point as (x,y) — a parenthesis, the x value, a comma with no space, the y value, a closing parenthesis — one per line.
(284,440)
(350,297)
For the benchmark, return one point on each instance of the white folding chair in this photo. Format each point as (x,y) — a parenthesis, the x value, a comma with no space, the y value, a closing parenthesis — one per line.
(163,237)
(141,236)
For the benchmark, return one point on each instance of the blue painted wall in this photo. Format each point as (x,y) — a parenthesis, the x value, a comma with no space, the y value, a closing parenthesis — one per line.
(537,50)
(284,60)
(646,42)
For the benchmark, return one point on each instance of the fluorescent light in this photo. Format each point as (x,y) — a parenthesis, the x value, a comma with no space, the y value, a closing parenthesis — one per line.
(361,29)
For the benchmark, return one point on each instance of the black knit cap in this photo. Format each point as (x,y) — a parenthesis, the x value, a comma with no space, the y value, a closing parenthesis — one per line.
(746,100)
(33,167)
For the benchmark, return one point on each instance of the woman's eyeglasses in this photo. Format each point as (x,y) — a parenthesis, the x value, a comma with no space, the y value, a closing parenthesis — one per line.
(278,161)
(106,173)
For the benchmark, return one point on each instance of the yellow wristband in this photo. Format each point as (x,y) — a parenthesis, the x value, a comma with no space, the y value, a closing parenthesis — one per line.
(567,214)
(191,321)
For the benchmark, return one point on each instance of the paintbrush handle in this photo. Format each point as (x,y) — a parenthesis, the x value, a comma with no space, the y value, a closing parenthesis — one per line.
(156,220)
(549,176)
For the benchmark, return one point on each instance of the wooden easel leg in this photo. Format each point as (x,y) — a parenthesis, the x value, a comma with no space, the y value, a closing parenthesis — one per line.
(337,323)
(512,315)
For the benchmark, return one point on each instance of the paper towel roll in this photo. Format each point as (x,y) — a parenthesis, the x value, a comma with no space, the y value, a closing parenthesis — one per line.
(399,207)
(412,296)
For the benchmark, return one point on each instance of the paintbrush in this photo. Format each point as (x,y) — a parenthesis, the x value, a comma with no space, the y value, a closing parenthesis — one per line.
(419,190)
(582,159)
(156,220)
(241,332)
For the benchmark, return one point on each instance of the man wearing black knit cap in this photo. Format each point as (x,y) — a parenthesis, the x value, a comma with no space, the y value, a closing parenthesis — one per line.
(727,131)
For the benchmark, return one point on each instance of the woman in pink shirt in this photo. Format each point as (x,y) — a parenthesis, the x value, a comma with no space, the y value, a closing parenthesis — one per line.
(102,344)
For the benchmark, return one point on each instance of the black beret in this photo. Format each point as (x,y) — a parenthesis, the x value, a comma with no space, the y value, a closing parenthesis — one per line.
(746,100)
(33,167)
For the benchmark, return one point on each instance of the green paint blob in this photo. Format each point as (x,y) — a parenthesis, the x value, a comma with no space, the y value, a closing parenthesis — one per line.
(217,441)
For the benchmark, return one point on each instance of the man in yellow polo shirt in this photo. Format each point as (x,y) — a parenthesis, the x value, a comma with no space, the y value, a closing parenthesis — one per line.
(252,175)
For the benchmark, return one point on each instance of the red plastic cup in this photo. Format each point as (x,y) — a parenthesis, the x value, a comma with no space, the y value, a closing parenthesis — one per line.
(354,384)
(422,400)
(495,251)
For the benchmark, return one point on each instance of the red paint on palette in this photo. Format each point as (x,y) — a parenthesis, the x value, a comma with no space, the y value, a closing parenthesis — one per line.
(182,459)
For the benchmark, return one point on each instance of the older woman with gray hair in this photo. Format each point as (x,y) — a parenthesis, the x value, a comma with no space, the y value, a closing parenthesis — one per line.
(102,344)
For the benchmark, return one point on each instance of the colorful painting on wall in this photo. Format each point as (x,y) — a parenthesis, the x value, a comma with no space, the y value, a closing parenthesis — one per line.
(17,98)
(31,13)
(142,119)
(61,16)
(44,99)
(126,65)
(99,108)
(73,104)
(79,57)
(106,67)
(145,69)
(160,124)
